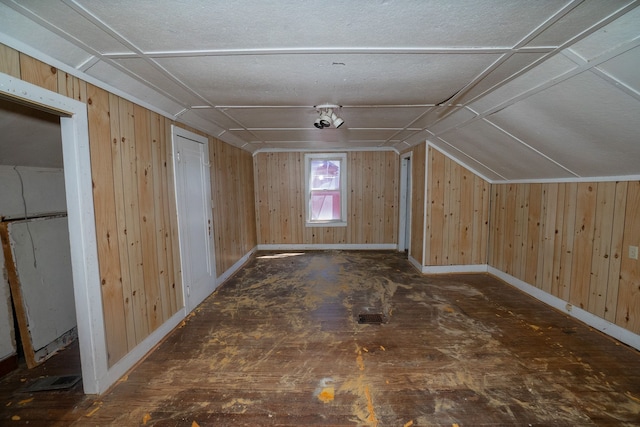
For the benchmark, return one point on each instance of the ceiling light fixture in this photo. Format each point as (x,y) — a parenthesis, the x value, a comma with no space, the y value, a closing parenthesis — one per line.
(327,116)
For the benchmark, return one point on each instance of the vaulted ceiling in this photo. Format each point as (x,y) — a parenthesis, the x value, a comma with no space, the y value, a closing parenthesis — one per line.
(513,89)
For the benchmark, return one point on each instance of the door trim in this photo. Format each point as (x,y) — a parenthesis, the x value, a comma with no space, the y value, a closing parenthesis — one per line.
(74,128)
(178,132)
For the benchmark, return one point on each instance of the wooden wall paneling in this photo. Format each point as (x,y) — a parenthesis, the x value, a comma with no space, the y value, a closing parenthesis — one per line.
(364,217)
(297,197)
(484,235)
(377,195)
(568,241)
(558,241)
(250,240)
(521,225)
(453,227)
(548,235)
(356,182)
(478,220)
(156,130)
(117,146)
(510,241)
(233,217)
(389,192)
(504,225)
(367,206)
(9,61)
(428,214)
(540,244)
(496,233)
(436,205)
(616,251)
(215,155)
(628,310)
(71,86)
(38,73)
(448,213)
(265,194)
(172,241)
(262,199)
(168,200)
(275,225)
(467,213)
(467,210)
(583,244)
(146,216)
(533,233)
(223,179)
(392,187)
(285,220)
(132,218)
(271,229)
(600,258)
(418,164)
(106,225)
(395,209)
(261,196)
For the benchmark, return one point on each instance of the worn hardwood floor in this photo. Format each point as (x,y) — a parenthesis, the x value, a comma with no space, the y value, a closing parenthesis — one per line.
(279,345)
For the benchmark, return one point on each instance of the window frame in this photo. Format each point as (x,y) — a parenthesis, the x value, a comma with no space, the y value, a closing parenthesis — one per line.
(342,158)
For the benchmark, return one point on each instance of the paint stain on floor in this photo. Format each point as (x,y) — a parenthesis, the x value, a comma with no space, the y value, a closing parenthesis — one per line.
(279,344)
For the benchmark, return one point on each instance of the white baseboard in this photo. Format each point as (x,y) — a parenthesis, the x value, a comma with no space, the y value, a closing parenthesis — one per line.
(323,247)
(415,263)
(123,365)
(235,267)
(450,269)
(602,325)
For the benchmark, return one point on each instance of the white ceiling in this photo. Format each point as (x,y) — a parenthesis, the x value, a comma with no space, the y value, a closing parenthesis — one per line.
(514,89)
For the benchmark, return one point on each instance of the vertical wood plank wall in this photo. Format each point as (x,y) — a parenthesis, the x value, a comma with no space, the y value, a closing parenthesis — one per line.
(418,188)
(457,213)
(372,210)
(134,200)
(234,215)
(571,240)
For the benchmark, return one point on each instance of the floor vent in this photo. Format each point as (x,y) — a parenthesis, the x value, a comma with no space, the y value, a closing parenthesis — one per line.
(53,383)
(370,318)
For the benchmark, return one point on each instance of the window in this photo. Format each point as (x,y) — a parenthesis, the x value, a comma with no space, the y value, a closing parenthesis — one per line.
(326,189)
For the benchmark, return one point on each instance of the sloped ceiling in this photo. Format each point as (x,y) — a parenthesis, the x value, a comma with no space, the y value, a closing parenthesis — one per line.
(515,90)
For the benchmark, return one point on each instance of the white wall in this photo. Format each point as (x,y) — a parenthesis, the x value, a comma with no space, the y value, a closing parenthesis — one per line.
(44,193)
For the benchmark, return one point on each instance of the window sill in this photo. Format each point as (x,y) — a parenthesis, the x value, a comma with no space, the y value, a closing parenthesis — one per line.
(326,224)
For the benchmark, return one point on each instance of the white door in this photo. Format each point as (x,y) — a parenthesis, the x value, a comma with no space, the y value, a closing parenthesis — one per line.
(195,228)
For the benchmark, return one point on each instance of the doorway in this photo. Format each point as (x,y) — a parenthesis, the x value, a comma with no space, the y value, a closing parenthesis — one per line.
(34,231)
(404,232)
(80,212)
(195,225)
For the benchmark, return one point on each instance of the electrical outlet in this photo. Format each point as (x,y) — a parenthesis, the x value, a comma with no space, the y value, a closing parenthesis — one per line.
(633,252)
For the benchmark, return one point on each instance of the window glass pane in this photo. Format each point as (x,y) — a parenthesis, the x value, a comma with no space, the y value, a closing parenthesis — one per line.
(325,190)
(325,205)
(325,174)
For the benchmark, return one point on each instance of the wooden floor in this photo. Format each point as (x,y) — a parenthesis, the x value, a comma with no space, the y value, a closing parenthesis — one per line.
(280,345)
